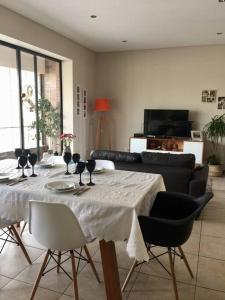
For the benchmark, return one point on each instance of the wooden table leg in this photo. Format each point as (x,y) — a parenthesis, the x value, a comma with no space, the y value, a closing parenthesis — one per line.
(110,270)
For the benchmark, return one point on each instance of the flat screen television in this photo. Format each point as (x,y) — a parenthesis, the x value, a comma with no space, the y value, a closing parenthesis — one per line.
(166,123)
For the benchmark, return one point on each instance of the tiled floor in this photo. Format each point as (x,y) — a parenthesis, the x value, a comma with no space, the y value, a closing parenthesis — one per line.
(205,251)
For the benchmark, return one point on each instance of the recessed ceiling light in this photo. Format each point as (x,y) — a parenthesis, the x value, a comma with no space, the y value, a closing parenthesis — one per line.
(124,41)
(221,0)
(219,33)
(93,16)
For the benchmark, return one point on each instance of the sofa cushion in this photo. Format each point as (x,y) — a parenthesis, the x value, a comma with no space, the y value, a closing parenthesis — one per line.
(116,156)
(169,160)
(175,179)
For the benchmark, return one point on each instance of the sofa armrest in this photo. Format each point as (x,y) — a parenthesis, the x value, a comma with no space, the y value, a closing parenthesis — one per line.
(198,183)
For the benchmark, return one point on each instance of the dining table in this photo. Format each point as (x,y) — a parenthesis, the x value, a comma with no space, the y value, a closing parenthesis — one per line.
(108,211)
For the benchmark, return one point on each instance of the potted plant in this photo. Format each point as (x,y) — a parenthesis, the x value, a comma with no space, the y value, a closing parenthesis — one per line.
(48,123)
(215,132)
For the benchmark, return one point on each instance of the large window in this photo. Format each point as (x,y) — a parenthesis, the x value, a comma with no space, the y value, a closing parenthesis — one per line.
(30,100)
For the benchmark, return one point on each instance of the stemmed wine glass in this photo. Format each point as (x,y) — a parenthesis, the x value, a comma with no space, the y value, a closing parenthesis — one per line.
(32,160)
(26,152)
(90,165)
(76,158)
(80,170)
(67,158)
(23,162)
(18,152)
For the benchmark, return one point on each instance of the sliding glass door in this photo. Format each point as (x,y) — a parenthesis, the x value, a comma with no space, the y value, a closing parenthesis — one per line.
(30,100)
(10,134)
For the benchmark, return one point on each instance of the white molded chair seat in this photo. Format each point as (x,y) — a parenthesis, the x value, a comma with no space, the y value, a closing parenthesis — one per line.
(105,164)
(55,226)
(9,234)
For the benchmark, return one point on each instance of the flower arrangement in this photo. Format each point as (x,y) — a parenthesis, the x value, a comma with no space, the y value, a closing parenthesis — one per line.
(67,138)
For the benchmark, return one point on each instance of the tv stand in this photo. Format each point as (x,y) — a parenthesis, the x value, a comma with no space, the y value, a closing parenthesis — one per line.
(175,145)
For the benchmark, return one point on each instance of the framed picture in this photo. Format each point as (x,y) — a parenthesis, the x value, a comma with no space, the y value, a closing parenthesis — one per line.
(78,99)
(84,103)
(209,96)
(196,135)
(221,103)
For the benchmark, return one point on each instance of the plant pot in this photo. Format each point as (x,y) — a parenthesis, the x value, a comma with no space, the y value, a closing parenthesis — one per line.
(215,170)
(66,149)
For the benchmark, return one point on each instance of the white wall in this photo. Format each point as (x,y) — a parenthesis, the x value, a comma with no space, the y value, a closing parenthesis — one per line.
(165,78)
(15,26)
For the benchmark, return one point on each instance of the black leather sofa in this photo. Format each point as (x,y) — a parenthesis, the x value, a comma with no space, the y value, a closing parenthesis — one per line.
(178,170)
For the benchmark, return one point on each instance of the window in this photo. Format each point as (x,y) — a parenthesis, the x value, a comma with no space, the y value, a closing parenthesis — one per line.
(30,100)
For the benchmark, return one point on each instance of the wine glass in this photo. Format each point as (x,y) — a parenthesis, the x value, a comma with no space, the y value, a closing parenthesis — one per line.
(32,160)
(67,158)
(23,162)
(18,152)
(90,165)
(80,170)
(76,158)
(26,152)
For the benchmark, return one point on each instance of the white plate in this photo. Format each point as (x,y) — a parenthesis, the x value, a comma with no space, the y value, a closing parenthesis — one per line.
(46,165)
(96,171)
(60,186)
(4,177)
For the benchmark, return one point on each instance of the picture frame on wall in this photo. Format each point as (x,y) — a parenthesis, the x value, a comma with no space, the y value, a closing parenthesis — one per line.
(196,135)
(209,96)
(78,100)
(221,103)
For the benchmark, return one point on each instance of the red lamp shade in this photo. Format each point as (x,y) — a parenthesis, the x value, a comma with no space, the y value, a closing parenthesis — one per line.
(102,104)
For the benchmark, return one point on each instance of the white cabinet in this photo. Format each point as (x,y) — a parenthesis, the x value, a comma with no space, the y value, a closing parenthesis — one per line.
(138,145)
(141,144)
(195,148)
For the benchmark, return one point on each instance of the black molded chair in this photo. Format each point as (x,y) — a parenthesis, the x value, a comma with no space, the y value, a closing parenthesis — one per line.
(169,225)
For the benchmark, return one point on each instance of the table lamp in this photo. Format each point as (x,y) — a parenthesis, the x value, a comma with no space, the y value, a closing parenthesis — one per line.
(101,106)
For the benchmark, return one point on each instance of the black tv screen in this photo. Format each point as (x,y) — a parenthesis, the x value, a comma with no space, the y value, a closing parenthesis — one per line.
(167,123)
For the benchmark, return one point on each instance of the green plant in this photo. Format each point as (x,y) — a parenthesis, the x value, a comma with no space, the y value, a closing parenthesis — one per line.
(215,132)
(49,119)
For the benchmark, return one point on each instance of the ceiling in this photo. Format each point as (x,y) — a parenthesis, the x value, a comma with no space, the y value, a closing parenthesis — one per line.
(144,24)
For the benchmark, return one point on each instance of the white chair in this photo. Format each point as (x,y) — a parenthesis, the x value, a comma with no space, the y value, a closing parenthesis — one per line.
(104,164)
(55,226)
(9,234)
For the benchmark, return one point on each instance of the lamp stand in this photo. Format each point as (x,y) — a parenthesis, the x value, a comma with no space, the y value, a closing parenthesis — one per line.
(102,123)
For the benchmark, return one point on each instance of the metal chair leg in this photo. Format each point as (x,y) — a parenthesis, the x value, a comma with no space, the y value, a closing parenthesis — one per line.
(91,263)
(39,275)
(20,243)
(129,275)
(75,286)
(185,261)
(59,261)
(173,273)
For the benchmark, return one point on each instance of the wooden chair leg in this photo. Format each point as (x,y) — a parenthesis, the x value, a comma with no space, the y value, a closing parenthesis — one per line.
(173,274)
(185,261)
(129,275)
(39,275)
(20,243)
(75,286)
(59,260)
(91,263)
(22,230)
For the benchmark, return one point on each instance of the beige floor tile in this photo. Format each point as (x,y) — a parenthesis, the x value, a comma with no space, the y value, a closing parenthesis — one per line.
(192,245)
(214,228)
(213,247)
(65,297)
(122,257)
(211,274)
(13,260)
(218,201)
(21,291)
(197,227)
(206,294)
(149,287)
(89,288)
(3,281)
(213,214)
(182,274)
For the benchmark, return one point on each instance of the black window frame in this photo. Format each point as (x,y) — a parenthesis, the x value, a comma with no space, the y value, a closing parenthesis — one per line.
(35,54)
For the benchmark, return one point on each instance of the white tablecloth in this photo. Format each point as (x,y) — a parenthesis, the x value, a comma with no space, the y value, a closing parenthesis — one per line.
(107,211)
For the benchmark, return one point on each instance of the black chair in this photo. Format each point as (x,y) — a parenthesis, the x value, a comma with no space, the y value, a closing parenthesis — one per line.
(169,225)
